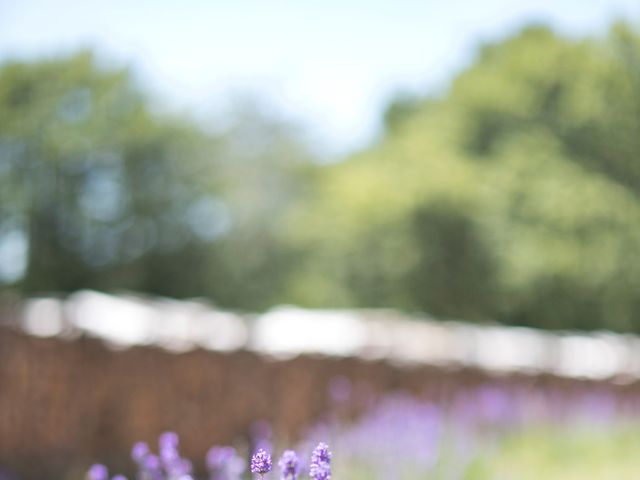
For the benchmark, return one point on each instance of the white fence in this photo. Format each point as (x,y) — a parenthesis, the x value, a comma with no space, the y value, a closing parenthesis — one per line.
(127,320)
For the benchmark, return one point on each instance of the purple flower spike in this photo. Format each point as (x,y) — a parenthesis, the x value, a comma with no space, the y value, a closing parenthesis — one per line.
(261,462)
(168,440)
(224,464)
(119,477)
(289,465)
(320,468)
(217,457)
(150,468)
(321,454)
(139,451)
(320,471)
(98,472)
(151,463)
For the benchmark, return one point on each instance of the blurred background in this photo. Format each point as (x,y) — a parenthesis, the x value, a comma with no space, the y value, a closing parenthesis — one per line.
(290,221)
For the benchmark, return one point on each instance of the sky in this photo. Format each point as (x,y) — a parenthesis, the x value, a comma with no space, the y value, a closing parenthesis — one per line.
(331,64)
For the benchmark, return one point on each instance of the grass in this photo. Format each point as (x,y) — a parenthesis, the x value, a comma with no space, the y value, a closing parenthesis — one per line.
(596,452)
(581,453)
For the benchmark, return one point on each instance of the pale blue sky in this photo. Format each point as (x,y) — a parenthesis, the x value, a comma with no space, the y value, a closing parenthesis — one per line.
(331,63)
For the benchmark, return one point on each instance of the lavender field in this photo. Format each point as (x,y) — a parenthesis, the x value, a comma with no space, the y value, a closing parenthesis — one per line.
(486,433)
(491,433)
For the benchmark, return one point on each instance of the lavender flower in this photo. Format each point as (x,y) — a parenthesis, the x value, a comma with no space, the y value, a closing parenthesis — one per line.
(224,464)
(139,451)
(289,465)
(217,457)
(320,467)
(98,472)
(169,455)
(320,471)
(174,466)
(168,440)
(150,468)
(261,462)
(151,463)
(321,454)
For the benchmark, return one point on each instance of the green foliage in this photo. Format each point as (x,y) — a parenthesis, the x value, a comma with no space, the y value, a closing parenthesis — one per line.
(513,198)
(109,193)
(264,168)
(96,182)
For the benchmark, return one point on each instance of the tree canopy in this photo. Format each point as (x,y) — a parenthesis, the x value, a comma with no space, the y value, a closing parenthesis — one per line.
(108,192)
(512,197)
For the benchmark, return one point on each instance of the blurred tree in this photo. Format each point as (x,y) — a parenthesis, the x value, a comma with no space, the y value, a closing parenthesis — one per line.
(106,192)
(99,188)
(266,167)
(514,197)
